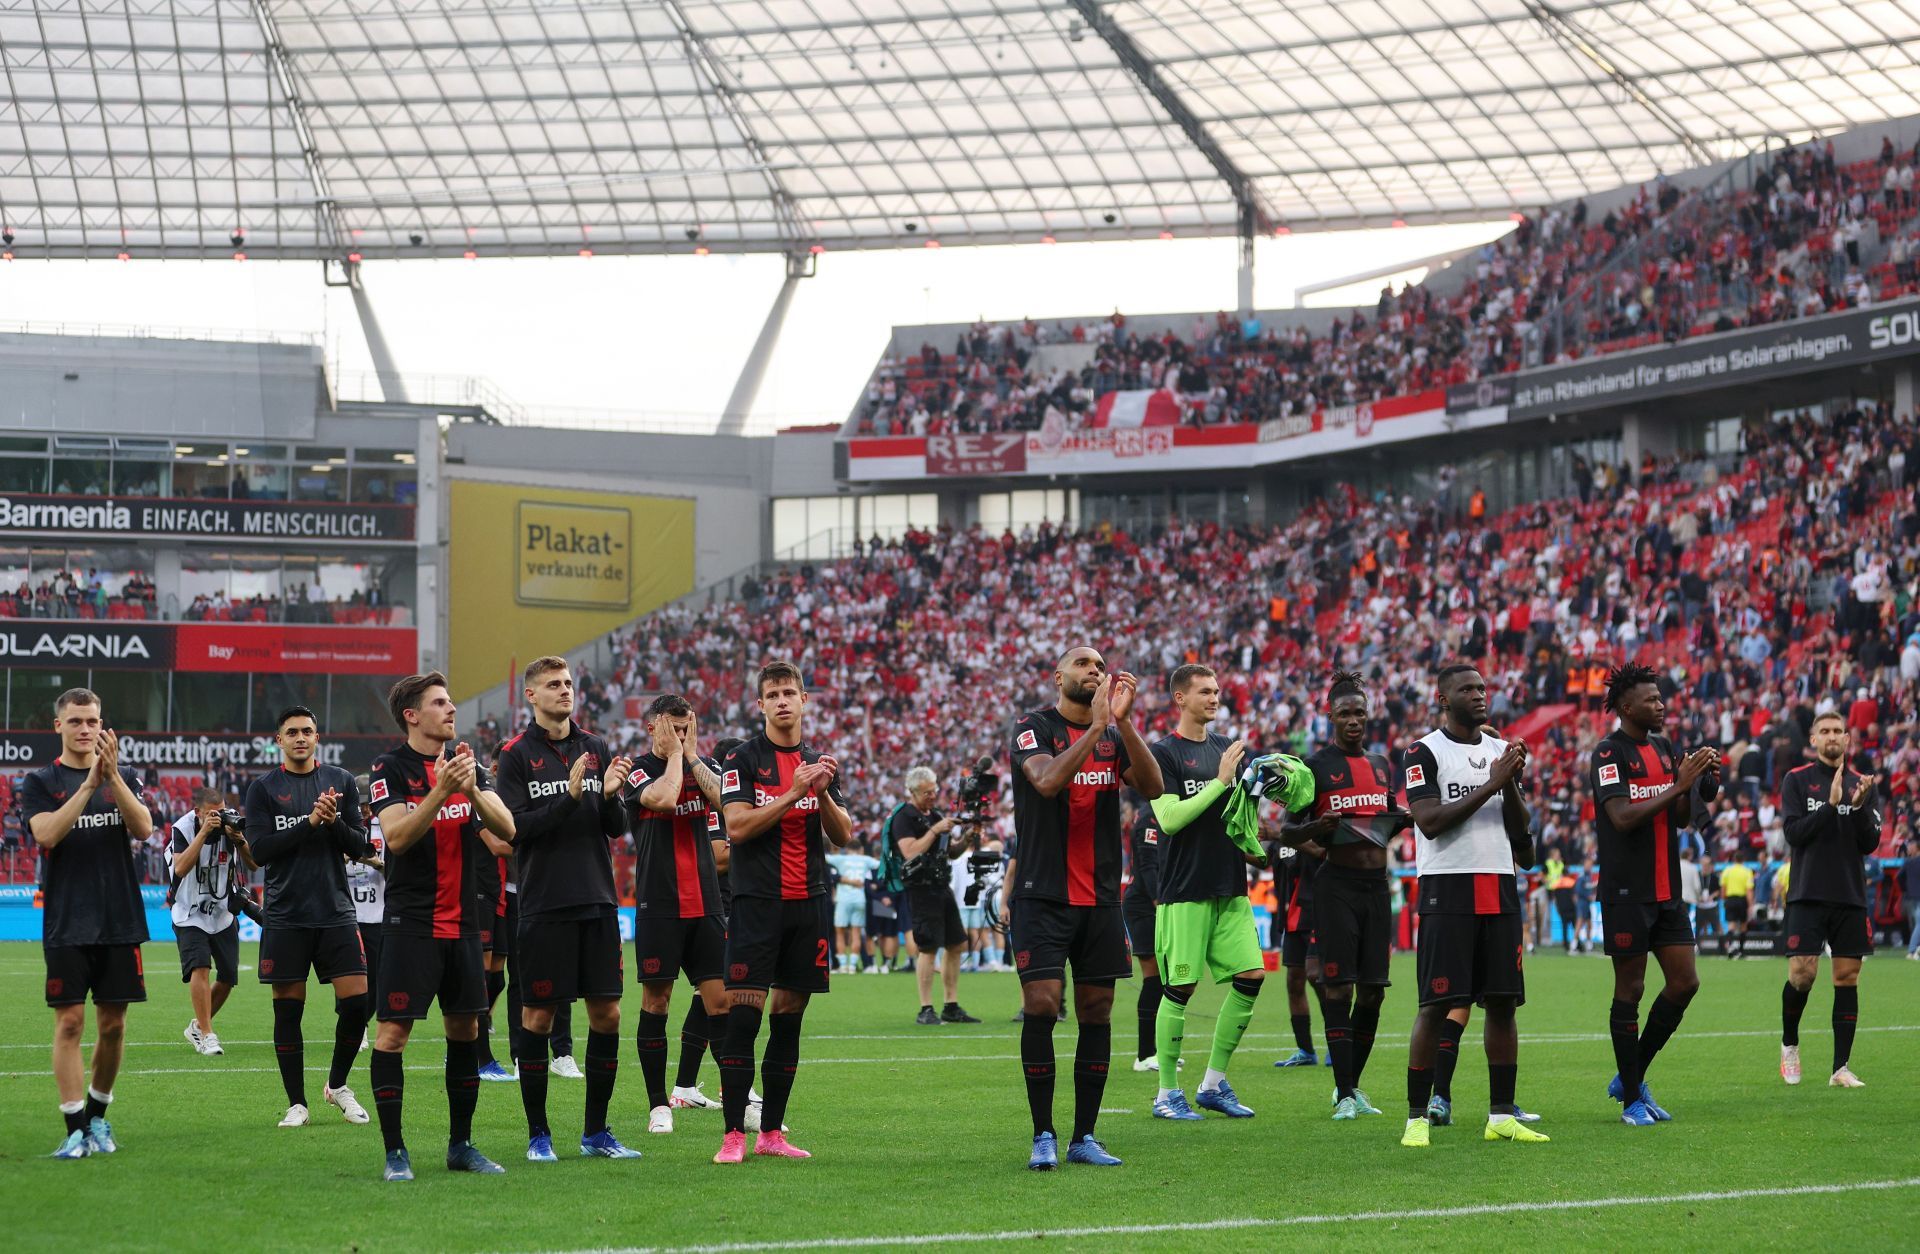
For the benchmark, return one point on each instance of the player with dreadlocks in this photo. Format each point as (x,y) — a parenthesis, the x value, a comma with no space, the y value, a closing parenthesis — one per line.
(1642,796)
(1352,818)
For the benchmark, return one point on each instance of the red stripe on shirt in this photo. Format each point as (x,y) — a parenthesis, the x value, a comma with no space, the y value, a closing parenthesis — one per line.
(793,833)
(449,867)
(686,866)
(1486,893)
(1083,803)
(1657,777)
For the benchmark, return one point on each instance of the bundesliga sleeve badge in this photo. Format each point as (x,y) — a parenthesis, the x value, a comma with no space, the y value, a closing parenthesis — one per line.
(1416,775)
(1027,740)
(730,781)
(1610,774)
(379,790)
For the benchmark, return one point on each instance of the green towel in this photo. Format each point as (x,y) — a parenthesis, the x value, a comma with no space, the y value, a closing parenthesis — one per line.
(1284,778)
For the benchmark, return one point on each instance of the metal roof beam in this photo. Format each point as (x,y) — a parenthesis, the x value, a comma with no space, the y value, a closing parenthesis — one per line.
(1585,46)
(1145,72)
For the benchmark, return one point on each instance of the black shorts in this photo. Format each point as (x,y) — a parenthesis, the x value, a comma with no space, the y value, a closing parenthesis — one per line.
(498,940)
(1842,928)
(780,944)
(1471,957)
(200,951)
(1353,922)
(561,959)
(666,945)
(936,918)
(114,974)
(1298,946)
(1736,909)
(287,952)
(1137,911)
(1563,906)
(1048,936)
(372,935)
(415,969)
(1629,928)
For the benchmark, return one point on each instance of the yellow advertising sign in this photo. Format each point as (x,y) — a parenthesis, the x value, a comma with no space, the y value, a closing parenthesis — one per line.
(574,556)
(534,570)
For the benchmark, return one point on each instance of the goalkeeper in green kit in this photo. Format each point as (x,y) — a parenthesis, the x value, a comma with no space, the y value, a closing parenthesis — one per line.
(1209,832)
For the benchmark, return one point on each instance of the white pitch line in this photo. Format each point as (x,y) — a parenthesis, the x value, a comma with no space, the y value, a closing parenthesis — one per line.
(1529,1205)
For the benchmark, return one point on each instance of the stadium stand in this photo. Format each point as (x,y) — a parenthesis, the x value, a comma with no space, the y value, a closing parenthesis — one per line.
(1808,236)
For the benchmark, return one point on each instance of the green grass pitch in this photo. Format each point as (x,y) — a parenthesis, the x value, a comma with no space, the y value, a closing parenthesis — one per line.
(922,1132)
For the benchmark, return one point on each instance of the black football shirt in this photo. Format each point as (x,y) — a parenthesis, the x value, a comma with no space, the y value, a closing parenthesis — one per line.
(1070,843)
(434,886)
(1355,789)
(1642,865)
(304,866)
(563,856)
(1198,862)
(1144,844)
(89,882)
(1827,842)
(674,875)
(789,862)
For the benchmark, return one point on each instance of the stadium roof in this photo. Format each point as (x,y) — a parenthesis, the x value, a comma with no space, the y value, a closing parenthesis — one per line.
(540,127)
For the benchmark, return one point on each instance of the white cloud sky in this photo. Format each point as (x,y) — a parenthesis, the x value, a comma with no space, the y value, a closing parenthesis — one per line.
(667,335)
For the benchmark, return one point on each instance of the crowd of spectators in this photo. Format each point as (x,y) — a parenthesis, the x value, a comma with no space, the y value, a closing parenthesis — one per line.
(75,594)
(1767,590)
(93,594)
(1808,236)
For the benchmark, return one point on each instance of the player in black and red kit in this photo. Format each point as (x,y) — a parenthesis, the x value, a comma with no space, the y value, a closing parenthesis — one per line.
(86,813)
(1353,818)
(1069,761)
(781,801)
(562,784)
(1295,868)
(440,818)
(303,821)
(1642,797)
(679,925)
(1831,824)
(1137,908)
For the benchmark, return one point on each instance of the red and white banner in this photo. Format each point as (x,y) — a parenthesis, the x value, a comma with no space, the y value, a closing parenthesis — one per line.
(1056,449)
(1156,408)
(1001,454)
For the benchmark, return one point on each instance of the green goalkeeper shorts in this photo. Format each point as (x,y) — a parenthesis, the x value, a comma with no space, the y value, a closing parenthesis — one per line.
(1215,935)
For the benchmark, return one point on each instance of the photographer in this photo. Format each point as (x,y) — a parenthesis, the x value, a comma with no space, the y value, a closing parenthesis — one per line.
(206,842)
(922,836)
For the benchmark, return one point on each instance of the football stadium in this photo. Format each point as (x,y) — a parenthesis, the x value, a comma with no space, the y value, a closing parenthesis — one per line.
(578,528)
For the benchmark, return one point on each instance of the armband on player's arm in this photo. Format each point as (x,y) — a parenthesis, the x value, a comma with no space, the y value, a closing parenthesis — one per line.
(1174,813)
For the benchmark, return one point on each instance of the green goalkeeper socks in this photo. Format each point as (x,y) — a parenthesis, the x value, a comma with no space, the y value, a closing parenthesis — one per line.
(1235,1014)
(1169,1030)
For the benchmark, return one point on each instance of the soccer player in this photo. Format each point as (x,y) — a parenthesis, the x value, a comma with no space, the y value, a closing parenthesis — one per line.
(698,1035)
(1642,796)
(367,882)
(780,802)
(1472,943)
(441,818)
(201,852)
(1138,910)
(1353,818)
(85,811)
(1205,921)
(561,784)
(1296,869)
(496,945)
(1831,824)
(303,821)
(1069,761)
(851,871)
(679,927)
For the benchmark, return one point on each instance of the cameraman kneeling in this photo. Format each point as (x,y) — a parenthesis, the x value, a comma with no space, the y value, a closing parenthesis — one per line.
(920,833)
(205,844)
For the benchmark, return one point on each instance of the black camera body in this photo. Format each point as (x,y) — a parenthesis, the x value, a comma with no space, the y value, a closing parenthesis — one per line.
(230,817)
(977,790)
